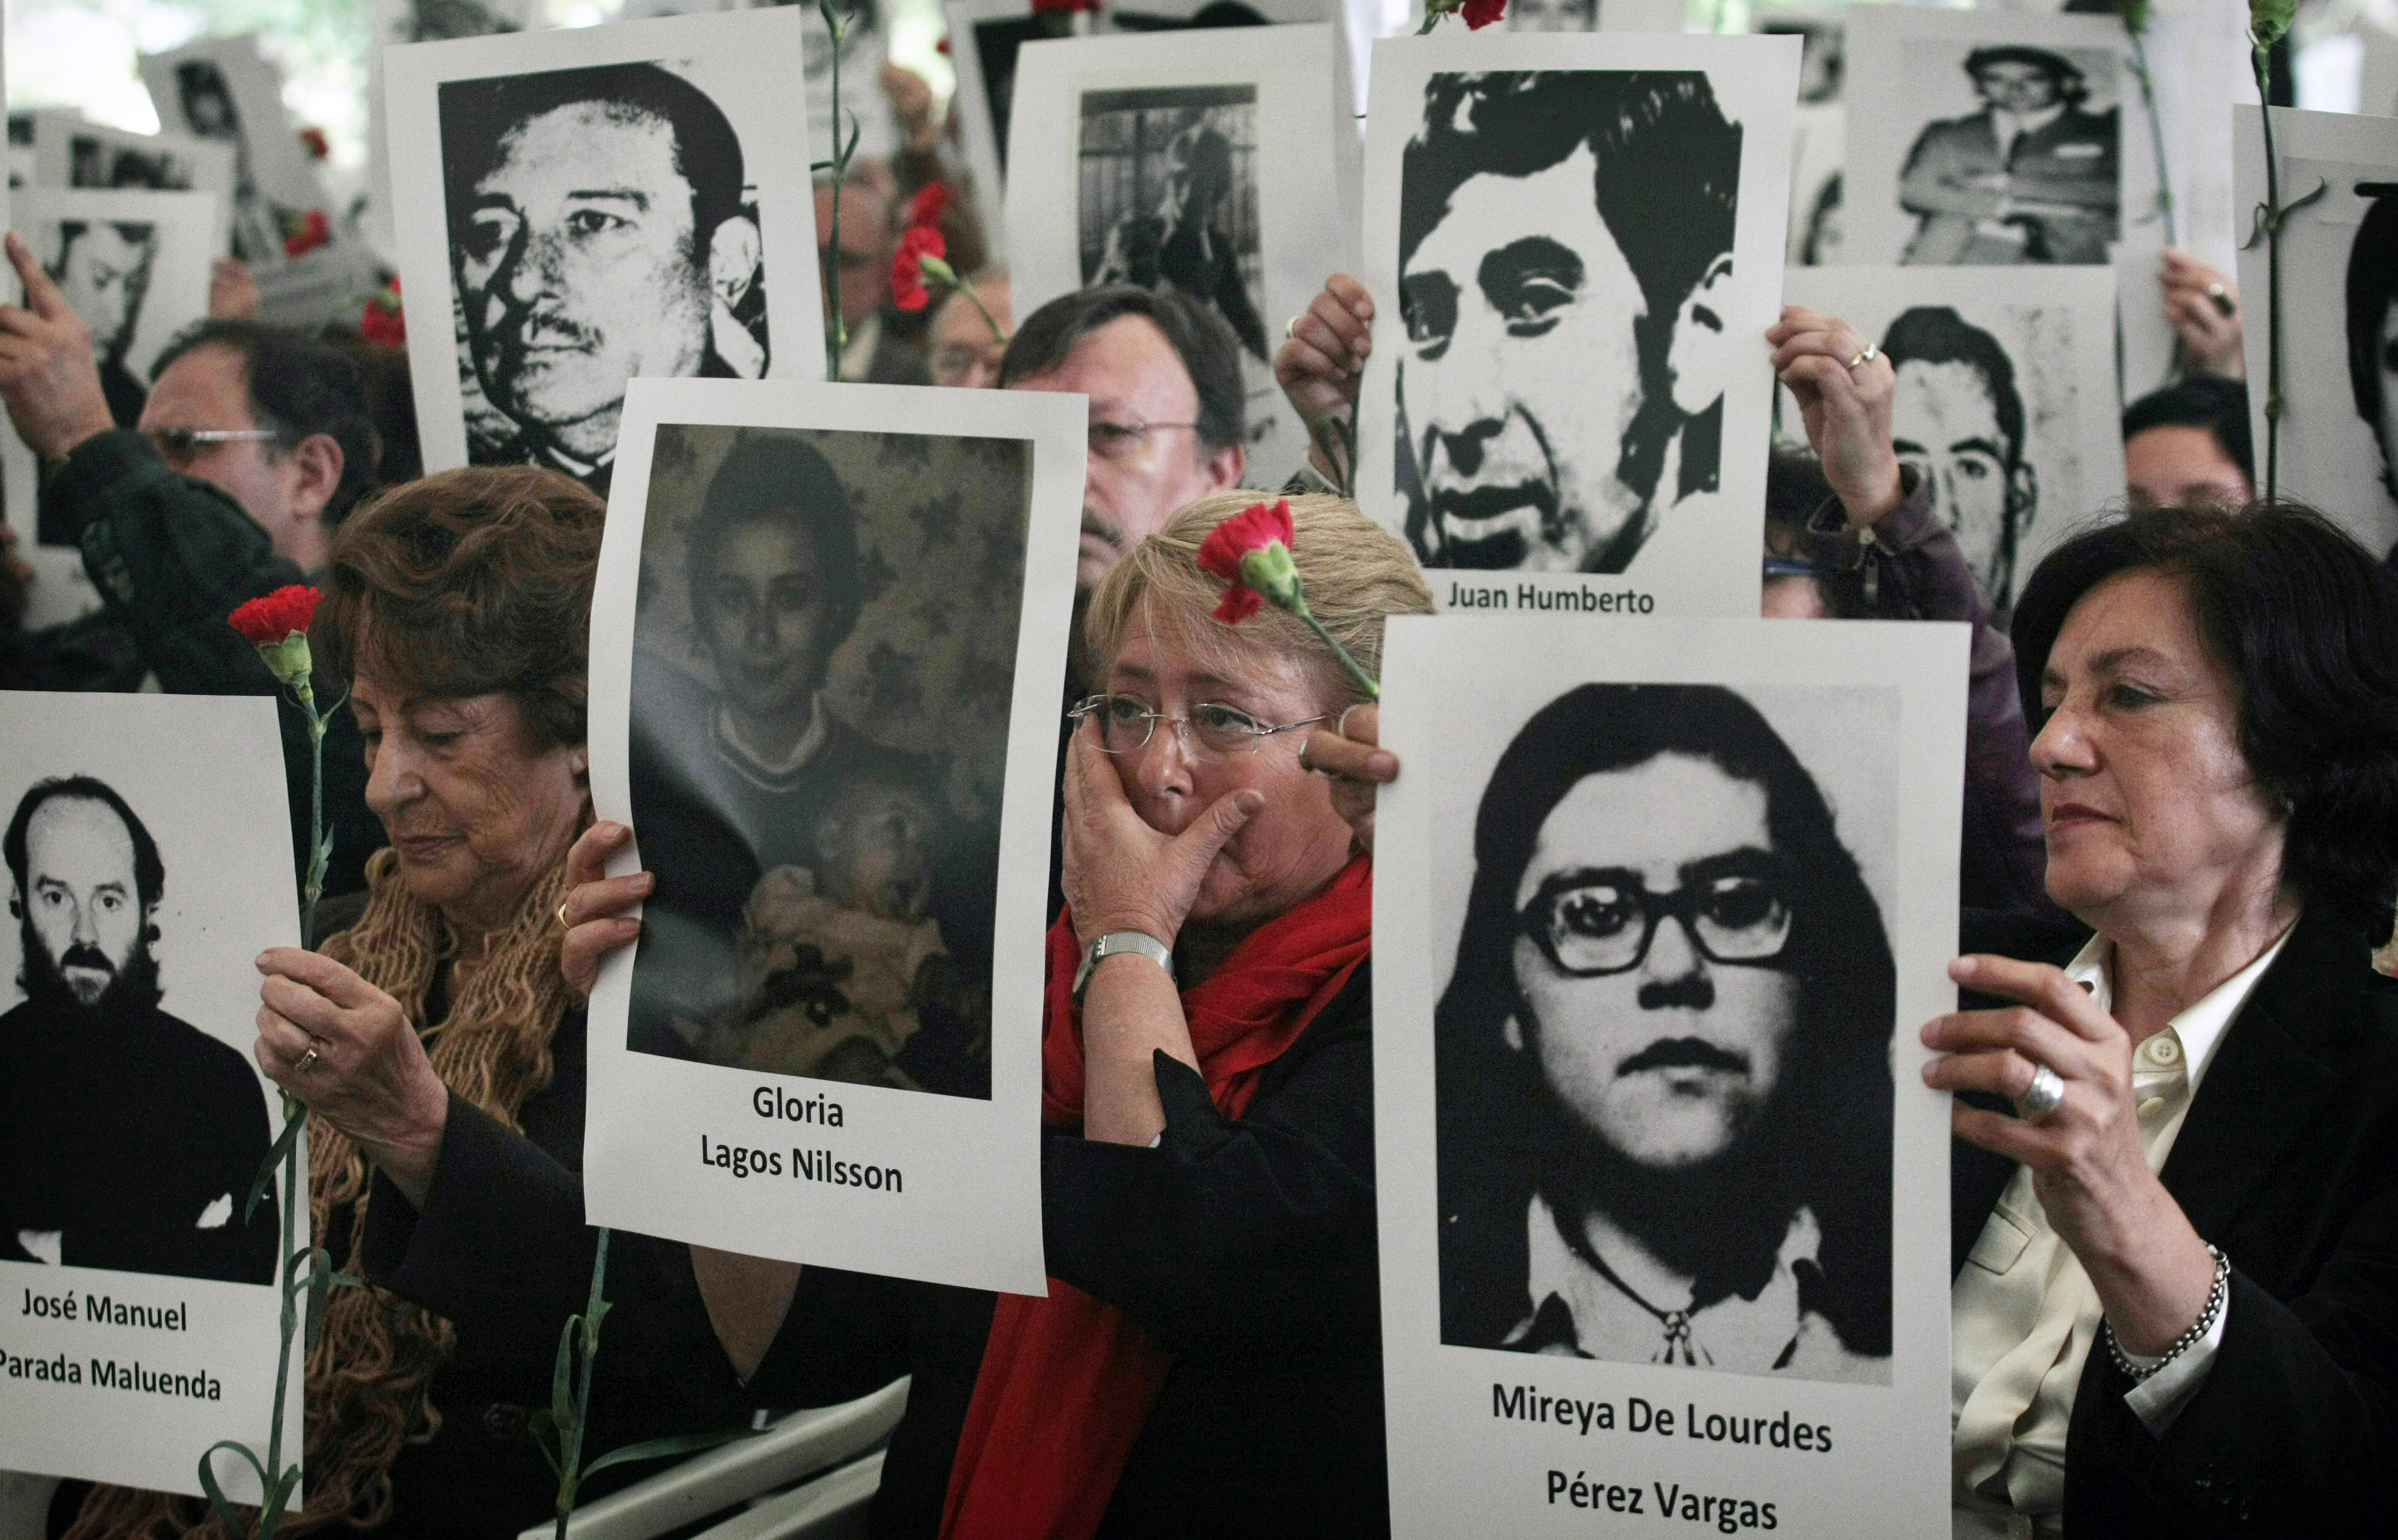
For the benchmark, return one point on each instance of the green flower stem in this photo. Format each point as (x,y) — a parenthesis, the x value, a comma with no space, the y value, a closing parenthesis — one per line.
(582,1338)
(270,1515)
(837,336)
(2273,213)
(1366,681)
(2156,130)
(998,333)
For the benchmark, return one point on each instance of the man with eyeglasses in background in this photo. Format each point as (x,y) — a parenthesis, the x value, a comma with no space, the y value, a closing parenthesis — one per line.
(1163,377)
(254,445)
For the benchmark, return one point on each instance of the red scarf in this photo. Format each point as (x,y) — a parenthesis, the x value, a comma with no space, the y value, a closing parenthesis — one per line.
(1066,1382)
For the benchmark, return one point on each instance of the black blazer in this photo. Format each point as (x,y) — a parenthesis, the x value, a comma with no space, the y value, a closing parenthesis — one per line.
(2288,1161)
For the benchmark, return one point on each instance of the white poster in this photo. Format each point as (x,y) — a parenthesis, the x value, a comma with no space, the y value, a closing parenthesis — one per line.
(68,152)
(401,22)
(826,646)
(2005,398)
(596,204)
(148,863)
(1658,909)
(2338,445)
(1574,245)
(135,266)
(984,37)
(1200,162)
(1818,136)
(223,89)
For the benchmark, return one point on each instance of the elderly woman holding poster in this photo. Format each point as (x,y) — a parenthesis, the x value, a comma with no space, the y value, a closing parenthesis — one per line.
(440,1052)
(1207,1360)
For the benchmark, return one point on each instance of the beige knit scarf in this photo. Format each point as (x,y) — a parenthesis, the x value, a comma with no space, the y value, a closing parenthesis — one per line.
(371,1371)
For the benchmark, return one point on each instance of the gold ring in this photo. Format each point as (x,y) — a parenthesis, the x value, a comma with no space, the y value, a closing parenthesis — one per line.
(1868,356)
(562,920)
(307,1060)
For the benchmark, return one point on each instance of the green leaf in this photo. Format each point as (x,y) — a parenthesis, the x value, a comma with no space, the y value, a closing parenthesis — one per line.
(660,1449)
(217,1499)
(542,1430)
(270,1518)
(561,1376)
(320,1283)
(274,1154)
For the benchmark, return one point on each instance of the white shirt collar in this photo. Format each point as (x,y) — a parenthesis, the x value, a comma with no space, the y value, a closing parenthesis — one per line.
(2199,1026)
(772,773)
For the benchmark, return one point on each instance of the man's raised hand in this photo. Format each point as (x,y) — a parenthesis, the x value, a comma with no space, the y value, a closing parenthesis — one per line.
(49,379)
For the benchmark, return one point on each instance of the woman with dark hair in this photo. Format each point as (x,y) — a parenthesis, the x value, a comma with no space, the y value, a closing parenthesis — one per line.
(440,1052)
(1666,1142)
(2174,1312)
(753,798)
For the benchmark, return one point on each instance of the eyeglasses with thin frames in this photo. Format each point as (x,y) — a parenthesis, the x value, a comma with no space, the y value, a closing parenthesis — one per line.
(1115,441)
(1589,924)
(176,445)
(1126,724)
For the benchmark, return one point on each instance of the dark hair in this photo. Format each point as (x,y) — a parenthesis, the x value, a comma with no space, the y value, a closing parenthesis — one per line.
(468,583)
(300,389)
(1210,354)
(478,115)
(1819,220)
(1936,334)
(149,873)
(1796,492)
(139,233)
(2372,284)
(775,476)
(390,399)
(2199,400)
(204,77)
(1825,1135)
(2306,622)
(1666,187)
(2070,84)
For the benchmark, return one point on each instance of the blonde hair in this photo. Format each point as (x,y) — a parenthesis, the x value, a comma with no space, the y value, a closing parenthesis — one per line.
(1355,574)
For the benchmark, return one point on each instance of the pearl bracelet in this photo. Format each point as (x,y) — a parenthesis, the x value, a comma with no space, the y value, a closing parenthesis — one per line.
(2199,1328)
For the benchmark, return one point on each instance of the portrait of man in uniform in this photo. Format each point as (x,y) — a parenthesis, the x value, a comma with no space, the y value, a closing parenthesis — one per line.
(1663,1058)
(1560,383)
(128,1139)
(597,232)
(2031,178)
(1957,418)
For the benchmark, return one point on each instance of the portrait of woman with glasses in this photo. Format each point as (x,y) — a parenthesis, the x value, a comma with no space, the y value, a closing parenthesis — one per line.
(1664,1054)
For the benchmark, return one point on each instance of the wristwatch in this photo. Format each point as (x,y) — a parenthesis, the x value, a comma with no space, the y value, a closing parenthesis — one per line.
(1122,940)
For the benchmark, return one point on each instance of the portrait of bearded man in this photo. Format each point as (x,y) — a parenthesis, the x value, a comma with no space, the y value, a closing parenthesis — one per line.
(128,1139)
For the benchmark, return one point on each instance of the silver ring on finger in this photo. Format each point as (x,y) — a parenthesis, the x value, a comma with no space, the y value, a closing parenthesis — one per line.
(1303,756)
(2045,1095)
(1340,723)
(1290,326)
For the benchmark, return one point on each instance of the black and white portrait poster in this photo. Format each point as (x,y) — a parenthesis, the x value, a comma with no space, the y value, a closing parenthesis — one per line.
(827,638)
(1659,907)
(402,21)
(1574,245)
(984,37)
(148,855)
(223,89)
(2004,400)
(598,203)
(1197,161)
(135,266)
(2339,316)
(1817,137)
(68,152)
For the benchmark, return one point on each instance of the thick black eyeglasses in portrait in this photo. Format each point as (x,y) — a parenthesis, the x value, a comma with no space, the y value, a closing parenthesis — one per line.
(1126,724)
(1592,923)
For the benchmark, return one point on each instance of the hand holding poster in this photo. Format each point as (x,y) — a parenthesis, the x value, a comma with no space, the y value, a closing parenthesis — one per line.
(835,752)
(1676,1249)
(148,863)
(1574,246)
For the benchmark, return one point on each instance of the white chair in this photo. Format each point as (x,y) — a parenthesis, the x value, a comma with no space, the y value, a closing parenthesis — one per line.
(830,1508)
(793,1449)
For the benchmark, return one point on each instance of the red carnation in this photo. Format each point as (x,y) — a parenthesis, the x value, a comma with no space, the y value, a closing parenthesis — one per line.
(907,291)
(313,140)
(1253,529)
(1045,8)
(942,47)
(384,321)
(274,617)
(931,200)
(1481,13)
(305,235)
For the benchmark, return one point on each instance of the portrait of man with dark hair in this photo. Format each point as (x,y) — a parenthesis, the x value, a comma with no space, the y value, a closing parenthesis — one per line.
(1957,418)
(2033,177)
(128,1138)
(818,907)
(598,231)
(102,266)
(1663,1059)
(1560,385)
(2373,322)
(206,97)
(1169,198)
